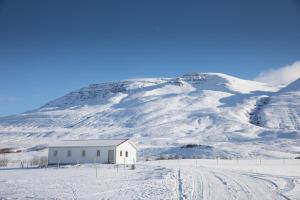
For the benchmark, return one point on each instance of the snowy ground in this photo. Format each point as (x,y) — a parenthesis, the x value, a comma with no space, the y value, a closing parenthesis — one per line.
(173,179)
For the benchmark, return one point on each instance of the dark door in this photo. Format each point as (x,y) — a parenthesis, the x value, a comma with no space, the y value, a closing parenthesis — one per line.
(111,156)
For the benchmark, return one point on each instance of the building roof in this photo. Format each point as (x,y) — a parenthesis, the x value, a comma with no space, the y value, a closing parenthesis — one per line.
(89,143)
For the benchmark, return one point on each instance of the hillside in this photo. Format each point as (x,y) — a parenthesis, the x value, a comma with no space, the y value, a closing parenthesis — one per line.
(213,110)
(283,109)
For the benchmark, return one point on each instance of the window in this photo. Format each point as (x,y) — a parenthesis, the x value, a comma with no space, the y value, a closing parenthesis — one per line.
(121,153)
(55,153)
(126,153)
(69,153)
(83,153)
(98,153)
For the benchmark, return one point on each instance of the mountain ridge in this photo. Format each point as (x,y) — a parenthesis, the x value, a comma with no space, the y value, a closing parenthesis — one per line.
(194,78)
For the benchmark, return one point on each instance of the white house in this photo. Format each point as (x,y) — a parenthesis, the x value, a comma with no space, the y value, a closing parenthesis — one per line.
(92,151)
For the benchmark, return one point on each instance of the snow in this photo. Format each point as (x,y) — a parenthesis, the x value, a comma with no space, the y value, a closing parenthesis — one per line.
(283,109)
(88,143)
(162,114)
(294,86)
(164,179)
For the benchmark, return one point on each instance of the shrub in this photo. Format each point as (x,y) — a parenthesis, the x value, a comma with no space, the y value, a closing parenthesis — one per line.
(162,157)
(43,162)
(3,162)
(39,161)
(199,146)
(6,150)
(34,161)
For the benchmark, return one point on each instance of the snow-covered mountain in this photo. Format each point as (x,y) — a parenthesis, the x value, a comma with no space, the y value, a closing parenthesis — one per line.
(223,115)
(282,111)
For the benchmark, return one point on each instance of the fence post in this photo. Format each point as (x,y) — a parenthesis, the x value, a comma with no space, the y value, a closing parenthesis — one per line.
(259,161)
(96,171)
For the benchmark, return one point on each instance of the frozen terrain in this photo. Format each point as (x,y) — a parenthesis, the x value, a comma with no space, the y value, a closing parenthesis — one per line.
(173,179)
(283,109)
(223,115)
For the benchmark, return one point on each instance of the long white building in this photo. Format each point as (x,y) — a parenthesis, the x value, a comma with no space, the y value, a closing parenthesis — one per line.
(92,151)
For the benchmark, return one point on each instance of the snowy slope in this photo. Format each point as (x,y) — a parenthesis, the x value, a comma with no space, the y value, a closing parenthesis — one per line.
(160,115)
(283,109)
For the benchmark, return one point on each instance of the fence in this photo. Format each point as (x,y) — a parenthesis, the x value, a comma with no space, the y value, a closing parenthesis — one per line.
(40,162)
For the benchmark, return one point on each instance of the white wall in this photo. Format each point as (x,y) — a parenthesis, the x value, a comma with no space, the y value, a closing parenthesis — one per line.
(76,155)
(126,146)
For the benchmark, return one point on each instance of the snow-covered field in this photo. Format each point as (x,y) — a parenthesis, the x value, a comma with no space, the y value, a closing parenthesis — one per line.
(168,179)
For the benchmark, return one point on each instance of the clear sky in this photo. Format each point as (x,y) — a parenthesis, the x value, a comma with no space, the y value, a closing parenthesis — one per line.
(48,48)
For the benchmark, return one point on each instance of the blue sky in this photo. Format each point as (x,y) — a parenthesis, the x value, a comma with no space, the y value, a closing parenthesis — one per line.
(48,48)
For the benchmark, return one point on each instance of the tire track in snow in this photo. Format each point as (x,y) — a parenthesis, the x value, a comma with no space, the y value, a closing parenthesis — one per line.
(197,187)
(203,187)
(210,183)
(254,188)
(235,188)
(289,186)
(180,186)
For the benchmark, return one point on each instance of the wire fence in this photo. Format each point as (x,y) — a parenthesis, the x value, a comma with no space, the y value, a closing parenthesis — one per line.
(36,162)
(42,162)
